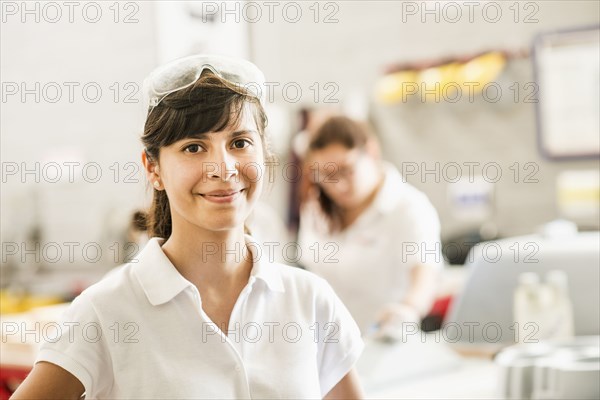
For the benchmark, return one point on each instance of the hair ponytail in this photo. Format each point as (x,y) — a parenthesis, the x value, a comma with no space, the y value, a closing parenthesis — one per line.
(159,216)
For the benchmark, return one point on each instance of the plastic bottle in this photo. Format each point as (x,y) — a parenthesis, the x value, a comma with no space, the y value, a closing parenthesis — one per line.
(526,306)
(562,309)
(543,311)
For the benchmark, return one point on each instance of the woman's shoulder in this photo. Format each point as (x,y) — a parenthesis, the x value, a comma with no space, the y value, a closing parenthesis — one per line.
(300,281)
(115,286)
(102,299)
(293,272)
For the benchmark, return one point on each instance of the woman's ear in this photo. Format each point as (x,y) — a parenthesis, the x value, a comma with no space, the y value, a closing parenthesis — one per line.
(150,166)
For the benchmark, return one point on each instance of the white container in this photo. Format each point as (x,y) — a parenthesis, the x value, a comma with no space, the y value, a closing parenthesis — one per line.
(566,369)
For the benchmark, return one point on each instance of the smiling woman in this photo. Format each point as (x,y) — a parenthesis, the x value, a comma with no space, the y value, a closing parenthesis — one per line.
(178,128)
(183,320)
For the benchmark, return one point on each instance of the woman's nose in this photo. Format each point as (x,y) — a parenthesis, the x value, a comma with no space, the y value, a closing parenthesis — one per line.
(222,166)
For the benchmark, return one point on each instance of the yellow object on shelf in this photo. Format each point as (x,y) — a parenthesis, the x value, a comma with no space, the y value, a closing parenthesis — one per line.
(11,302)
(444,82)
(480,71)
(395,87)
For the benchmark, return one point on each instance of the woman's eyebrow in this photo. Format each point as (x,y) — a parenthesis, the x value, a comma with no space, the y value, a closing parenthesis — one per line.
(208,135)
(199,136)
(242,132)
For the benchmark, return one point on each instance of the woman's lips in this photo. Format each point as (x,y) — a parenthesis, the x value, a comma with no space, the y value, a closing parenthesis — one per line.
(220,198)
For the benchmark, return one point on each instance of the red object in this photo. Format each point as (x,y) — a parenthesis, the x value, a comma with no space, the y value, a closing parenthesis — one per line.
(10,377)
(440,306)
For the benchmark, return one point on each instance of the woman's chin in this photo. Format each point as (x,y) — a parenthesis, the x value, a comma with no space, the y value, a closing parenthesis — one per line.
(225,224)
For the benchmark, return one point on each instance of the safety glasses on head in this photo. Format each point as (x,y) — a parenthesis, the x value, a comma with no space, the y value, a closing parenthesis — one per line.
(184,72)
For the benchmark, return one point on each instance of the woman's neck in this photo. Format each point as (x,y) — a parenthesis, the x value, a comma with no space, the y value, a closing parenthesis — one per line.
(350,216)
(209,257)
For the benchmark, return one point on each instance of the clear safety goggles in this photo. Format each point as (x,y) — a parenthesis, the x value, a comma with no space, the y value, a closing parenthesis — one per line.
(184,72)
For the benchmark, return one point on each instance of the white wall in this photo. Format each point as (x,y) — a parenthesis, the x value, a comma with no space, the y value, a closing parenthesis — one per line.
(57,130)
(370,36)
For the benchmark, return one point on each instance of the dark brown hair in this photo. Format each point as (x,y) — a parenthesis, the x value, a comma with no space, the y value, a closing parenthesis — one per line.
(210,105)
(336,130)
(341,130)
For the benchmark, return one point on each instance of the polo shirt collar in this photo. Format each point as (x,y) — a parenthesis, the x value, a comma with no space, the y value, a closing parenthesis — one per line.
(161,281)
(158,277)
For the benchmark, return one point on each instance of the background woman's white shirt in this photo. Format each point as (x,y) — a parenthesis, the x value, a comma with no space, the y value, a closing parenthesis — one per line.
(369,263)
(141,333)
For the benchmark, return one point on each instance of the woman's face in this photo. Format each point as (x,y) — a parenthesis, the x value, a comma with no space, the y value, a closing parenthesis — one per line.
(214,181)
(347,176)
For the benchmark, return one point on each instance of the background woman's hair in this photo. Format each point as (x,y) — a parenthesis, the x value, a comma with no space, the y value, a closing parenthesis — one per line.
(336,130)
(209,105)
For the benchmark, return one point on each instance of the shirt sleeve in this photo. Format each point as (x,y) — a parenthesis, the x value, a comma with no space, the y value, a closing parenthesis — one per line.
(340,343)
(77,344)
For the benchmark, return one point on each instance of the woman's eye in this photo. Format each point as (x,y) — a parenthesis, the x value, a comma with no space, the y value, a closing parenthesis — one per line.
(241,143)
(193,148)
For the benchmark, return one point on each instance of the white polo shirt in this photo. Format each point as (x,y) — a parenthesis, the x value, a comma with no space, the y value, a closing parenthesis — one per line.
(368,264)
(141,333)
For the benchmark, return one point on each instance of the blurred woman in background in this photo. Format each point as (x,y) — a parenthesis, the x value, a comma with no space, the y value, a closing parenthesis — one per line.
(371,235)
